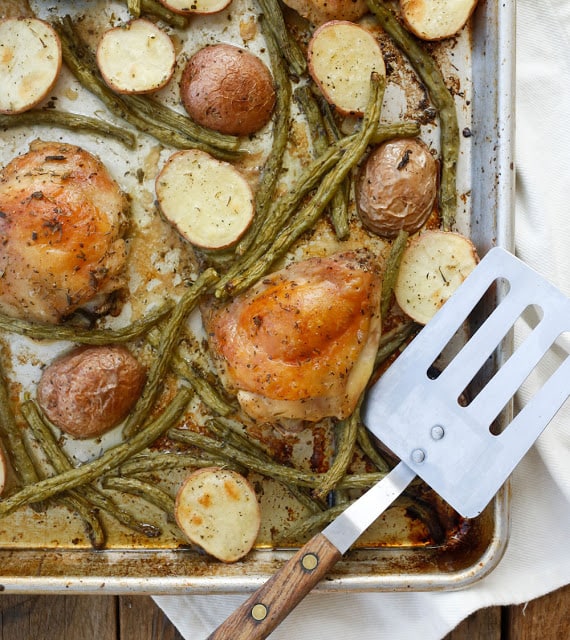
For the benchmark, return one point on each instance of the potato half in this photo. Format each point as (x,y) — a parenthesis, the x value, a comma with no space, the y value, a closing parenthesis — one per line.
(341,57)
(208,201)
(30,62)
(218,510)
(433,265)
(436,19)
(137,57)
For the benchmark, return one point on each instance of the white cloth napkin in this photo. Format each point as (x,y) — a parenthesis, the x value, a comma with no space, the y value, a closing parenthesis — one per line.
(537,559)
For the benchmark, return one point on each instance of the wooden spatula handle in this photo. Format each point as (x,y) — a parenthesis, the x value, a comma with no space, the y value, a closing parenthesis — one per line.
(258,616)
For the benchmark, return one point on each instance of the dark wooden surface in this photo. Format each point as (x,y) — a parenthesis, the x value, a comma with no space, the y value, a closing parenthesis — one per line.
(24,617)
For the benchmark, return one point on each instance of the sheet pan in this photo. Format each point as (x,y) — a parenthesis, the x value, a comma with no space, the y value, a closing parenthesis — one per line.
(393,555)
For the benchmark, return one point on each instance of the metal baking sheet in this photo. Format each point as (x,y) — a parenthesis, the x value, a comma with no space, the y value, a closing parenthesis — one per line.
(43,552)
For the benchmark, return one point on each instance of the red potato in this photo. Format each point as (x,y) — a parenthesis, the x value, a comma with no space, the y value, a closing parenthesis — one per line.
(433,265)
(228,89)
(218,510)
(30,63)
(397,187)
(342,56)
(91,390)
(184,7)
(137,57)
(208,201)
(436,19)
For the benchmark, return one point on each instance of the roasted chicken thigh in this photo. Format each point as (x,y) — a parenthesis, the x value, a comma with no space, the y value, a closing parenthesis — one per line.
(300,345)
(62,222)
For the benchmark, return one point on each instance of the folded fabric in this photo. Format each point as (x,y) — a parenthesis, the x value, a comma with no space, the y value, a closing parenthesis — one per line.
(537,559)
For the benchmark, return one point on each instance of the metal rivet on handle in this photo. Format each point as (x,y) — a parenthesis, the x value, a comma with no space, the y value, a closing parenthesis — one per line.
(437,432)
(259,611)
(418,455)
(309,561)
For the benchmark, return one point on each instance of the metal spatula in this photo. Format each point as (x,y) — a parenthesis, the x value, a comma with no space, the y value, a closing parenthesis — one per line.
(423,419)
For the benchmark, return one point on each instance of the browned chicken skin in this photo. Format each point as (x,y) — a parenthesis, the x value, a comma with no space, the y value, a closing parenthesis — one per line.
(62,222)
(301,343)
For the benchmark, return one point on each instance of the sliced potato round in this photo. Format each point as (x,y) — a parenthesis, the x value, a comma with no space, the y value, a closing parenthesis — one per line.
(208,201)
(196,6)
(436,19)
(3,471)
(30,62)
(218,510)
(433,265)
(341,57)
(137,57)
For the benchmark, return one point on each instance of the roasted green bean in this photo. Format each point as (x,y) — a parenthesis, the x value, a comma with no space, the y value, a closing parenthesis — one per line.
(165,351)
(149,492)
(61,464)
(347,432)
(151,461)
(40,331)
(158,10)
(287,44)
(67,120)
(265,191)
(430,74)
(279,472)
(391,271)
(392,340)
(12,438)
(109,460)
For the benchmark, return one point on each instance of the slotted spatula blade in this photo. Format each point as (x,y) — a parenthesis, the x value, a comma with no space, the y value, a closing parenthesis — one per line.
(422,418)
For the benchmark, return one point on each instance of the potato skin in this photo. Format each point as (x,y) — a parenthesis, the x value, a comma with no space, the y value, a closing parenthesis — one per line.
(91,389)
(321,11)
(227,89)
(397,187)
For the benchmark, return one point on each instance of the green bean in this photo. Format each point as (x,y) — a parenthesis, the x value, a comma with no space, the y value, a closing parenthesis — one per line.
(308,526)
(67,120)
(112,458)
(308,216)
(365,443)
(160,113)
(158,10)
(272,167)
(396,130)
(392,340)
(93,526)
(321,134)
(227,431)
(165,350)
(152,461)
(391,271)
(44,435)
(40,331)
(279,472)
(12,438)
(348,430)
(430,74)
(82,64)
(288,46)
(149,492)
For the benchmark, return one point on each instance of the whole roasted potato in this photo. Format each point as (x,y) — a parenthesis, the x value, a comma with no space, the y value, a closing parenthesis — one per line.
(90,390)
(227,89)
(396,187)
